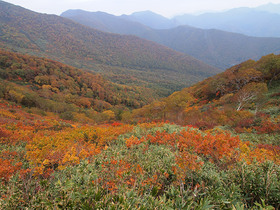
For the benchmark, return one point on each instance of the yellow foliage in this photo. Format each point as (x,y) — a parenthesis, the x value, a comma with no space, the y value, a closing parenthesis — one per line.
(109,114)
(15,96)
(50,149)
(48,87)
(6,113)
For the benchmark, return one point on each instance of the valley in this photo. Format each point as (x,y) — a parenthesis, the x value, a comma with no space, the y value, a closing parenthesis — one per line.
(105,112)
(115,56)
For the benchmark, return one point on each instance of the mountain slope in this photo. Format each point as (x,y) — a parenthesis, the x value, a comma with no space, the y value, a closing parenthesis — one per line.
(51,86)
(117,56)
(244,96)
(217,48)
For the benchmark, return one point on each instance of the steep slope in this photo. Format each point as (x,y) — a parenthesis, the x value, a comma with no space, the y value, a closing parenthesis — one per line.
(244,96)
(117,56)
(217,48)
(55,87)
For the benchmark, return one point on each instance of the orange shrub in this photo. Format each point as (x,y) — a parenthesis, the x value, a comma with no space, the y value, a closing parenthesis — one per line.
(7,169)
(52,150)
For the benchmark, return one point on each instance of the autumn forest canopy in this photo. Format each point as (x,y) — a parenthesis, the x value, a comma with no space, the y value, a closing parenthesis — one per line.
(96,120)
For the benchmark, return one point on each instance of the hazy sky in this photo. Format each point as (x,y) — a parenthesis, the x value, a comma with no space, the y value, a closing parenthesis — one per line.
(166,8)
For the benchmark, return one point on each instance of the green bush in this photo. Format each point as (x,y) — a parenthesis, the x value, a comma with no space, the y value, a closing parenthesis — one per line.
(67,116)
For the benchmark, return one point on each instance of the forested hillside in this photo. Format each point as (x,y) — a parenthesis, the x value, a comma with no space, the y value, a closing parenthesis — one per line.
(48,86)
(118,57)
(245,99)
(215,47)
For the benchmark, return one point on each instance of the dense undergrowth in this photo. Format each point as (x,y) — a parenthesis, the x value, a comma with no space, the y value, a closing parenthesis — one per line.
(49,163)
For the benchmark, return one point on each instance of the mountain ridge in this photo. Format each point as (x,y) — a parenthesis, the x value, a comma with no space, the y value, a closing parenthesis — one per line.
(244,20)
(150,19)
(217,48)
(270,7)
(114,55)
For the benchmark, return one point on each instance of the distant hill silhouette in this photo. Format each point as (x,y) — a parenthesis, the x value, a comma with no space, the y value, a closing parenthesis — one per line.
(150,19)
(260,21)
(248,21)
(272,8)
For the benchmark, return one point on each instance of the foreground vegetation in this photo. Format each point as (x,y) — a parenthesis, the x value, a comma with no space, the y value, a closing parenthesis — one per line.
(61,146)
(49,163)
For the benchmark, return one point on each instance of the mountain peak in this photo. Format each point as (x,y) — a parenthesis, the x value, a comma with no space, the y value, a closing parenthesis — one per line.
(270,7)
(147,12)
(74,12)
(150,19)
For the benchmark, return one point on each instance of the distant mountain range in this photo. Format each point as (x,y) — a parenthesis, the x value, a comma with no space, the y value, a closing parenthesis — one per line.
(272,8)
(121,58)
(261,21)
(215,47)
(248,21)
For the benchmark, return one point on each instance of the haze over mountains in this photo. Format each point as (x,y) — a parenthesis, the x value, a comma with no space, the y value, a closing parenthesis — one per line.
(248,21)
(215,47)
(123,59)
(272,8)
(151,19)
(260,21)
